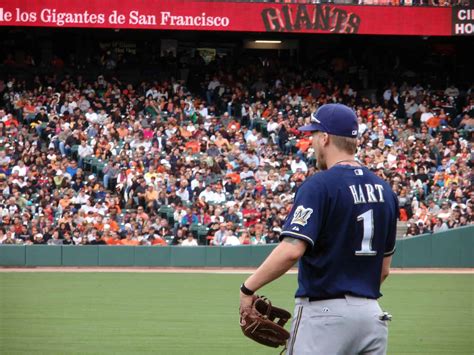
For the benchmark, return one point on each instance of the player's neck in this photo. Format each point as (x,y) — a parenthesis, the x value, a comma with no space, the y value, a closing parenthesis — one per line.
(342,159)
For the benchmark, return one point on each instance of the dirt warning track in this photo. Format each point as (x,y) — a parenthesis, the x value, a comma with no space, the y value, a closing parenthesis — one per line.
(210,270)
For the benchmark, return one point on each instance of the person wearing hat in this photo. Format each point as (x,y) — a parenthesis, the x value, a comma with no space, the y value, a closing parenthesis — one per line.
(352,213)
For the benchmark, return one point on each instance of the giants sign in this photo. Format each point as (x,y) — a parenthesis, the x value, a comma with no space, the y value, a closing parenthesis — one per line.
(200,15)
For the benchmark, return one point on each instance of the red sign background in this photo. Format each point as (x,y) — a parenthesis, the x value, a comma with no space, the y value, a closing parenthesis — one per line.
(227,16)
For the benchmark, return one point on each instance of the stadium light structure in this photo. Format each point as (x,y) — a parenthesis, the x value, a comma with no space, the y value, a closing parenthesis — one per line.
(267,41)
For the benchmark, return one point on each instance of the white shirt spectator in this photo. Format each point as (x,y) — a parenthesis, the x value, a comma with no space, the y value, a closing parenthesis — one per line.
(272,126)
(418,88)
(84,150)
(362,127)
(295,100)
(52,156)
(391,159)
(452,91)
(298,164)
(21,169)
(195,183)
(444,214)
(213,84)
(179,214)
(261,175)
(87,208)
(204,112)
(77,240)
(251,138)
(80,199)
(183,194)
(207,194)
(84,105)
(162,94)
(218,196)
(220,236)
(102,118)
(440,227)
(426,116)
(231,239)
(246,174)
(189,243)
(152,92)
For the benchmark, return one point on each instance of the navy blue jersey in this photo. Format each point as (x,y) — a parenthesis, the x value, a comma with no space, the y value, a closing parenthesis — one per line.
(348,217)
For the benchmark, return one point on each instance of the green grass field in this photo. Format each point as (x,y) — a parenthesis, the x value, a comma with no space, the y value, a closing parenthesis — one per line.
(130,313)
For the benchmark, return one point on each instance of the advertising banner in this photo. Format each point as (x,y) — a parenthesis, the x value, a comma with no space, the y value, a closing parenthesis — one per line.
(463,21)
(230,16)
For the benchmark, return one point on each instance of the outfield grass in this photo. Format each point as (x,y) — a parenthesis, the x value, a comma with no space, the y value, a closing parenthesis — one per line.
(130,313)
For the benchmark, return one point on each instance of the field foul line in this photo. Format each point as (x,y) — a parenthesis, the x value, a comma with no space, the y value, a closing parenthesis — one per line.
(185,270)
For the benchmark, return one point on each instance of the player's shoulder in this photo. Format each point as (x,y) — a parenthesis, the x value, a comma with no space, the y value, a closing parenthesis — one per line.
(379,180)
(312,184)
(316,179)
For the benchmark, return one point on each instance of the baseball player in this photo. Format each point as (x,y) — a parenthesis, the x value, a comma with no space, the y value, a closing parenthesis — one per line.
(341,229)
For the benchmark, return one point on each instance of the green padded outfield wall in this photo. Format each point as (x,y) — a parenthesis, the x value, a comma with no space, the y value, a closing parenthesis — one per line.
(453,248)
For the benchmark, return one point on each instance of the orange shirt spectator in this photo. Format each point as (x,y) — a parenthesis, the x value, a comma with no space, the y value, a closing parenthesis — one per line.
(113,226)
(117,208)
(65,202)
(184,132)
(267,112)
(233,126)
(193,145)
(303,144)
(29,108)
(221,142)
(112,240)
(11,121)
(433,122)
(122,131)
(235,177)
(129,241)
(99,226)
(159,241)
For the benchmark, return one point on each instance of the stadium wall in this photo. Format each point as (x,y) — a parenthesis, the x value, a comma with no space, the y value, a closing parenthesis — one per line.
(453,249)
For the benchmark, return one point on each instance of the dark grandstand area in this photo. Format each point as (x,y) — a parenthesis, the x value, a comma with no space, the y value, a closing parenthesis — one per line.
(150,137)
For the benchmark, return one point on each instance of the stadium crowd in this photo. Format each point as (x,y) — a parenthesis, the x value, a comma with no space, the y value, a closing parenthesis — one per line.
(154,163)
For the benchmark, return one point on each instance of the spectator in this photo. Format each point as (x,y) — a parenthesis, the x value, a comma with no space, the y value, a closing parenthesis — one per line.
(231,239)
(440,226)
(190,241)
(219,235)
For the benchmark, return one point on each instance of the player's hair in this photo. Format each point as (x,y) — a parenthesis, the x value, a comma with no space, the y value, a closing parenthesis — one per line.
(348,145)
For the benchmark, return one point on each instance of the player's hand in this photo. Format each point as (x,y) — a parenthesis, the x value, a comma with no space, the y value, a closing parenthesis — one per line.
(245,301)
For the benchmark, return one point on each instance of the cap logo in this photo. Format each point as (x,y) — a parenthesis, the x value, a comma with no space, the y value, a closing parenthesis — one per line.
(314,119)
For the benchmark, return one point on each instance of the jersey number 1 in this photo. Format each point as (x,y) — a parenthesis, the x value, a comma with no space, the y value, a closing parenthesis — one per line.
(367,219)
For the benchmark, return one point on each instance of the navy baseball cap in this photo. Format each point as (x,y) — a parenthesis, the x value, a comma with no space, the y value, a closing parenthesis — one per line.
(335,119)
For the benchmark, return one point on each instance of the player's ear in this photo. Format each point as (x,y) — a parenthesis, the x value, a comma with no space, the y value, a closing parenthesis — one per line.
(324,138)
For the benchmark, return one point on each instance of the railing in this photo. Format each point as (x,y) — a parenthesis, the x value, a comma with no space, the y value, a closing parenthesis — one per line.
(453,248)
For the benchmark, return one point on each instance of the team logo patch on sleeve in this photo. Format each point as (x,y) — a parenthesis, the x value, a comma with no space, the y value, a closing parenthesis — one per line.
(301,215)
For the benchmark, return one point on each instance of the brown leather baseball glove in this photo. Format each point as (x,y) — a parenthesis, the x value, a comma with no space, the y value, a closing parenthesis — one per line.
(264,323)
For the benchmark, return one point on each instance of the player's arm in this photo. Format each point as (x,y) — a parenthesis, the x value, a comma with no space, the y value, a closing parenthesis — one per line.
(385,268)
(390,243)
(282,258)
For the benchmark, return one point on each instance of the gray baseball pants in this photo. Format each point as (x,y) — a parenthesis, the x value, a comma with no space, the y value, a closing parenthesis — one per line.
(345,326)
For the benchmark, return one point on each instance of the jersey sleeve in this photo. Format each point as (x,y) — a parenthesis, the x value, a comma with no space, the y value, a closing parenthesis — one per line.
(390,243)
(305,218)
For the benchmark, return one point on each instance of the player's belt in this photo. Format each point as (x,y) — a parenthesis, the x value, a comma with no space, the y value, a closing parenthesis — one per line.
(323,298)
